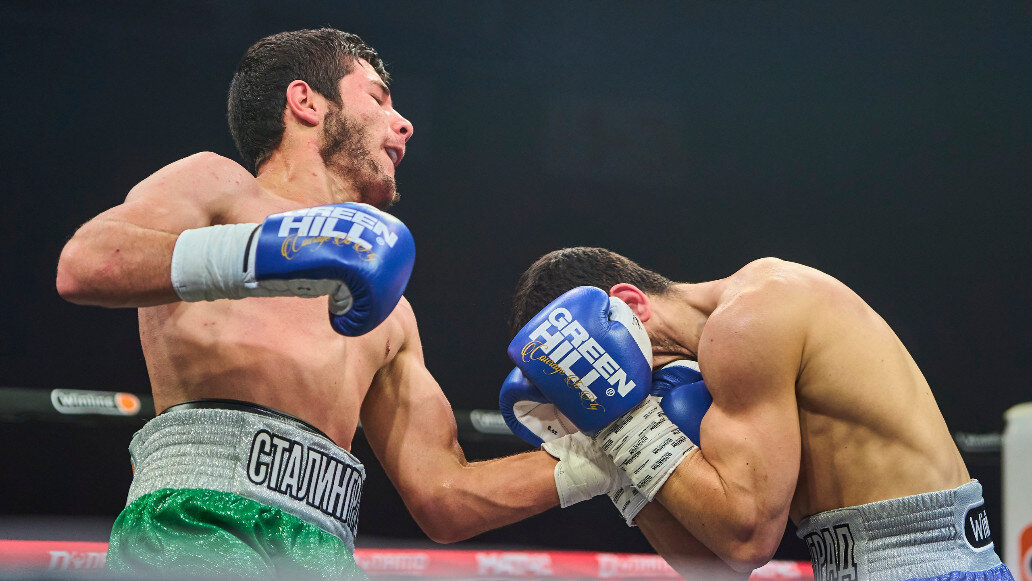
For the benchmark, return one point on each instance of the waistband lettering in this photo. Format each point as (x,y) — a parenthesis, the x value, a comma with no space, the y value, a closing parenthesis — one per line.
(288,467)
(832,554)
(976,527)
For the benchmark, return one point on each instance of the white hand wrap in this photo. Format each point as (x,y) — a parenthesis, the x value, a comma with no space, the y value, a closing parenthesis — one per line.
(645,445)
(629,502)
(583,471)
(217,262)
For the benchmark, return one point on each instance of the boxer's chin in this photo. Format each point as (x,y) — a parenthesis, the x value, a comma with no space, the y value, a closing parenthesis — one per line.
(381,196)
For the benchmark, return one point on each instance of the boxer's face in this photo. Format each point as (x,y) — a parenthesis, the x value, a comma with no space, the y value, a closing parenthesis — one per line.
(364,139)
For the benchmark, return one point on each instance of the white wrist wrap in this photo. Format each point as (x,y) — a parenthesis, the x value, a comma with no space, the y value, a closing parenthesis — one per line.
(208,263)
(629,502)
(645,445)
(583,472)
(217,262)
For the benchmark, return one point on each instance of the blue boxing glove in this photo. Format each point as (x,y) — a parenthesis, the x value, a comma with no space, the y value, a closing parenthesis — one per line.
(685,396)
(591,357)
(357,255)
(583,471)
(588,354)
(673,374)
(529,414)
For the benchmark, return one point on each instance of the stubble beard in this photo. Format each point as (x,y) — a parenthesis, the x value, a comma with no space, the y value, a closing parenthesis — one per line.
(669,346)
(344,152)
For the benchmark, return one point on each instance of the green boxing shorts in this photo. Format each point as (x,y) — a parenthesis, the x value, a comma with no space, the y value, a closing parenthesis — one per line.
(226,489)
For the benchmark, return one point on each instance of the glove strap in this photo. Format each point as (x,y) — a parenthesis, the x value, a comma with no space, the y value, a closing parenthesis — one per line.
(208,263)
(217,262)
(582,472)
(646,446)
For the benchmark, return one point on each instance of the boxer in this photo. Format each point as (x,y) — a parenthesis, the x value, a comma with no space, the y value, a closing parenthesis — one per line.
(818,414)
(272,321)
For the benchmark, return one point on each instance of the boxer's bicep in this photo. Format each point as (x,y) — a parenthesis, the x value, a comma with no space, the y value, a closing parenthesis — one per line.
(411,427)
(755,449)
(734,494)
(751,431)
(122,257)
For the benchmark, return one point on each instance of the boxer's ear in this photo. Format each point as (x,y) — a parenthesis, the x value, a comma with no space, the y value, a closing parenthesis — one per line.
(635,298)
(304,104)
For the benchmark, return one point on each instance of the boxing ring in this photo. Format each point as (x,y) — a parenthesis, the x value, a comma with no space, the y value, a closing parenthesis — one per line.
(419,563)
(22,556)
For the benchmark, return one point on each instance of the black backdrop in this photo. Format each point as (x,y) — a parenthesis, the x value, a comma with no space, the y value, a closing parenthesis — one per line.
(886,144)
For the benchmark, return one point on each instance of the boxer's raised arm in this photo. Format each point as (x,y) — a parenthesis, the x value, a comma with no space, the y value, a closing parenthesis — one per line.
(682,551)
(411,428)
(734,493)
(122,257)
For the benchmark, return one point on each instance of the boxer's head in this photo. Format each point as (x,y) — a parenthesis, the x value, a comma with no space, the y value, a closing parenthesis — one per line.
(257,94)
(561,270)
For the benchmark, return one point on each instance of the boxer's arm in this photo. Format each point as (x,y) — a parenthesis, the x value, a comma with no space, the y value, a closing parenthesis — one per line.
(123,257)
(682,551)
(411,428)
(735,494)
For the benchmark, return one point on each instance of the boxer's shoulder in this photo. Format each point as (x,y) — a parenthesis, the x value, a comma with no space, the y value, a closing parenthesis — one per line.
(397,333)
(760,324)
(203,177)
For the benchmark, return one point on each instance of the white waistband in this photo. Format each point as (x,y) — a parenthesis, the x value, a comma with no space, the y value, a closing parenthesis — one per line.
(269,460)
(902,538)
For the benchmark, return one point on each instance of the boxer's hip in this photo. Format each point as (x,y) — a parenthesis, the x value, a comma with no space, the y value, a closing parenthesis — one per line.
(216,465)
(914,537)
(190,532)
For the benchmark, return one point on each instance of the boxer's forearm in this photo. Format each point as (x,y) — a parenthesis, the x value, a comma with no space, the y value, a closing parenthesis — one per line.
(466,499)
(113,263)
(682,551)
(732,520)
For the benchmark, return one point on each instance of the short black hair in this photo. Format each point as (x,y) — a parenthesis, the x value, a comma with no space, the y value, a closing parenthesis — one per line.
(257,94)
(561,270)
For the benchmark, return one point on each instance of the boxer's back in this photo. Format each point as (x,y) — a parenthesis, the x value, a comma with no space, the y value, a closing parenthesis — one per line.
(869,424)
(279,352)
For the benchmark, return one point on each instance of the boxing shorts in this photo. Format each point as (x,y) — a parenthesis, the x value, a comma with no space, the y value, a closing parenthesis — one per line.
(941,536)
(230,489)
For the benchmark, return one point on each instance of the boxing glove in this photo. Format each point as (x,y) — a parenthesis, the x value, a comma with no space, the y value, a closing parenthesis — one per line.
(583,471)
(528,413)
(357,255)
(685,398)
(588,354)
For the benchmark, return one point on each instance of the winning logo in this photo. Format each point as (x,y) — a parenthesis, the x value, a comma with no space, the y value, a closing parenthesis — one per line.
(106,403)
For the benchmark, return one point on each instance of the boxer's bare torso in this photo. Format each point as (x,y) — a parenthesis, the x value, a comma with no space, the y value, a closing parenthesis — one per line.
(279,352)
(868,425)
(816,405)
(283,353)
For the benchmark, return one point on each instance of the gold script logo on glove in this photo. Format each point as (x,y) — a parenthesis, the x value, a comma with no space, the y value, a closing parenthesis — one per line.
(560,342)
(588,398)
(294,245)
(310,228)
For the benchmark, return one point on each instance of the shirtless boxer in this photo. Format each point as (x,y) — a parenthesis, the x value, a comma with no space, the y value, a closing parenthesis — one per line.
(818,414)
(246,471)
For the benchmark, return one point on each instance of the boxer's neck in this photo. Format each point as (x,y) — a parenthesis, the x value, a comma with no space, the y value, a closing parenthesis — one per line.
(297,172)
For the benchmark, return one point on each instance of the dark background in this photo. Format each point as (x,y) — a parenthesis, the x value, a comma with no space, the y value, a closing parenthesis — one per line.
(885,144)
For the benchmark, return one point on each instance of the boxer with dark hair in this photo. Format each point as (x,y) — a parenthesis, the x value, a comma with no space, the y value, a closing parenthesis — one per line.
(259,383)
(806,406)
